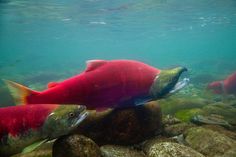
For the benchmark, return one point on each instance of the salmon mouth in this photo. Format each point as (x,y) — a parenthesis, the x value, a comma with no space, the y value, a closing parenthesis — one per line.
(180,85)
(81,117)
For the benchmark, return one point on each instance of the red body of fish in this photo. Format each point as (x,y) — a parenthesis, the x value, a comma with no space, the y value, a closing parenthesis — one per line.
(227,86)
(16,120)
(103,84)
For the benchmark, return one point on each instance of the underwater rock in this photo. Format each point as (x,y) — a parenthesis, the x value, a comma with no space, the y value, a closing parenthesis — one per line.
(174,104)
(177,129)
(211,119)
(75,146)
(39,153)
(122,126)
(170,120)
(146,145)
(210,143)
(45,150)
(120,151)
(233,102)
(221,130)
(170,149)
(224,110)
(188,114)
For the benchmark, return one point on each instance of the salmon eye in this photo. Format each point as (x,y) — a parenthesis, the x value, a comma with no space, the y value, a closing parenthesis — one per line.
(71,114)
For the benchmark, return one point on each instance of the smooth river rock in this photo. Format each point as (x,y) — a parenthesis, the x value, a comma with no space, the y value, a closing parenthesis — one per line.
(169,149)
(210,143)
(75,146)
(176,129)
(120,151)
(122,126)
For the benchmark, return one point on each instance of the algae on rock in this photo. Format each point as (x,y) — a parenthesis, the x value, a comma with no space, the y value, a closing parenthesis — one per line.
(210,143)
(173,104)
(187,114)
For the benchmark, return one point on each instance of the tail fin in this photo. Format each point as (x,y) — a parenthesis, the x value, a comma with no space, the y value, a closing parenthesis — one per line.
(19,92)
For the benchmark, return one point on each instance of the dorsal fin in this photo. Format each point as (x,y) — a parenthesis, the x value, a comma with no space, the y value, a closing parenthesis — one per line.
(93,64)
(52,84)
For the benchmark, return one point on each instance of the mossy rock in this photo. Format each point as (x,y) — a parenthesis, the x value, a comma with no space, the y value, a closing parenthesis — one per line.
(174,104)
(176,129)
(186,115)
(221,130)
(210,143)
(224,110)
(38,153)
(44,150)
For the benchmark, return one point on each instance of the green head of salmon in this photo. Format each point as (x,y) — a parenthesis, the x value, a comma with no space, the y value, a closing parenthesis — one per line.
(167,82)
(63,120)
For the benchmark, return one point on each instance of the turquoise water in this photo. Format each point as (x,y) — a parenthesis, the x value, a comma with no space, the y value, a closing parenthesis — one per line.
(52,39)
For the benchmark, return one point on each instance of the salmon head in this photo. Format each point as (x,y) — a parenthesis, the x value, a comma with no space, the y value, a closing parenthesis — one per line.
(167,82)
(216,87)
(63,120)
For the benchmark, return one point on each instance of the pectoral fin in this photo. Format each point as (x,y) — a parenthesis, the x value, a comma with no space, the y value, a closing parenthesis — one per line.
(32,147)
(142,101)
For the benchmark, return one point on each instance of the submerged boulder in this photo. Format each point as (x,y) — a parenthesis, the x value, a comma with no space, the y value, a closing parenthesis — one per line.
(221,130)
(174,104)
(146,145)
(211,119)
(187,114)
(75,146)
(120,151)
(122,126)
(227,111)
(176,129)
(209,142)
(38,153)
(169,149)
(170,120)
(45,150)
